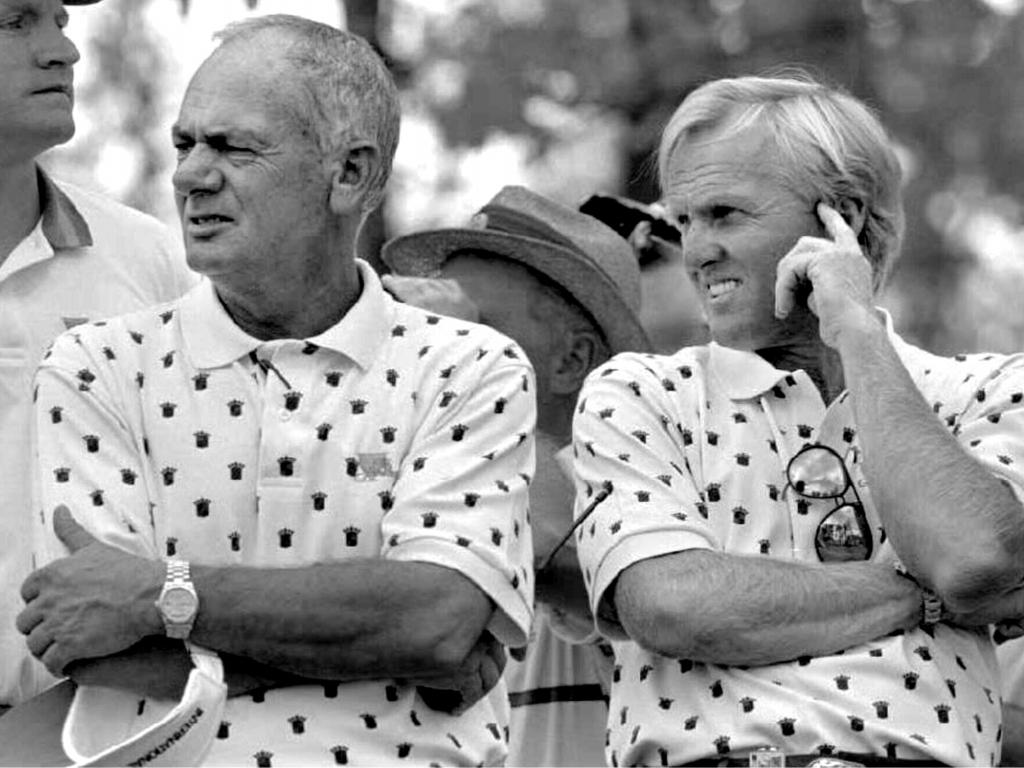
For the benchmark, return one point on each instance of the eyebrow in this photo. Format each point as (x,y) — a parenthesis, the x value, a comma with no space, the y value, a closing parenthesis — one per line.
(218,134)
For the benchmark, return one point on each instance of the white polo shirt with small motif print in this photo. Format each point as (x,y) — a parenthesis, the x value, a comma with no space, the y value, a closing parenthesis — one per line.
(696,446)
(88,257)
(395,434)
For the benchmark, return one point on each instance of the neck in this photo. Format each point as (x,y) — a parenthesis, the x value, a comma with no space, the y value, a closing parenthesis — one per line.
(19,204)
(282,312)
(820,361)
(554,417)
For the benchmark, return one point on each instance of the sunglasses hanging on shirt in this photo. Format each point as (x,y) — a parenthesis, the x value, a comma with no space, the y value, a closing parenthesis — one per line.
(843,535)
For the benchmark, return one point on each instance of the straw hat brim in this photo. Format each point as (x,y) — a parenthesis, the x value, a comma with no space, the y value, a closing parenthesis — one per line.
(422,254)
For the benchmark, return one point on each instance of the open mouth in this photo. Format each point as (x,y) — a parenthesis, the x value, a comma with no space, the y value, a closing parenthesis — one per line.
(207,219)
(721,288)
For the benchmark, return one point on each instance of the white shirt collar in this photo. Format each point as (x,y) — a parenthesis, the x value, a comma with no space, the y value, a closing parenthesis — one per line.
(744,375)
(212,339)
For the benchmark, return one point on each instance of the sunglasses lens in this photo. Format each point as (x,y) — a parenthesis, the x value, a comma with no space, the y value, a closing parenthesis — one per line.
(818,473)
(843,536)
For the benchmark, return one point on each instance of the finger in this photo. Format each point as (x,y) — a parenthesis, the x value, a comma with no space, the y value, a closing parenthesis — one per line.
(74,536)
(30,587)
(640,237)
(39,641)
(54,659)
(27,620)
(490,674)
(791,273)
(496,652)
(836,226)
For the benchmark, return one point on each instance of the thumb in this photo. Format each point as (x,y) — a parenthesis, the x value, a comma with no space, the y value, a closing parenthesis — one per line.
(73,535)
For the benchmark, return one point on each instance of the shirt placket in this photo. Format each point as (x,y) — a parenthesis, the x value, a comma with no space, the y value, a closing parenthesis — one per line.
(283,424)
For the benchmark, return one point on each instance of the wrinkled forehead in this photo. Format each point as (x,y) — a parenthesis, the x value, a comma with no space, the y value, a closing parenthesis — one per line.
(728,164)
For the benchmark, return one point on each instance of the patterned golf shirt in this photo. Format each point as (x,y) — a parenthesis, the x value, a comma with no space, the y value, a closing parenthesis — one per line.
(394,434)
(88,257)
(696,445)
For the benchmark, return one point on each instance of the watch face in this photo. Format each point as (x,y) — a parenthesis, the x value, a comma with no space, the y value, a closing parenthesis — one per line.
(178,604)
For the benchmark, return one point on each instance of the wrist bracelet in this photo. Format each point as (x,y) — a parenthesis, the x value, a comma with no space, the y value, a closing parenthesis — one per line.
(932,609)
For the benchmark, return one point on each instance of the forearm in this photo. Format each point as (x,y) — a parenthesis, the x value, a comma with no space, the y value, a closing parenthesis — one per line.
(159,667)
(955,525)
(730,609)
(340,621)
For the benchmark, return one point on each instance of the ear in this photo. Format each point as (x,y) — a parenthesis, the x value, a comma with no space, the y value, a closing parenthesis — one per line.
(853,212)
(580,355)
(352,172)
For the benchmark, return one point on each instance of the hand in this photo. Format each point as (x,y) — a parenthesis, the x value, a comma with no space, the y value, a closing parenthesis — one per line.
(95,602)
(1005,612)
(435,294)
(648,248)
(839,275)
(479,673)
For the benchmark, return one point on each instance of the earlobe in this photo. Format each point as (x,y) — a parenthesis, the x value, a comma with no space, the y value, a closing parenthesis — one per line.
(352,175)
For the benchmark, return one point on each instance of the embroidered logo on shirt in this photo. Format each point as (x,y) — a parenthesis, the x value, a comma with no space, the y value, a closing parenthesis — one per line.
(371,466)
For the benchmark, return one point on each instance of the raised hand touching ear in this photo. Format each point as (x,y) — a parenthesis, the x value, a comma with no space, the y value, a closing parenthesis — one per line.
(839,275)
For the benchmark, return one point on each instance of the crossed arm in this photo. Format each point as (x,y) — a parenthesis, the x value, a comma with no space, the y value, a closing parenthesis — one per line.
(94,611)
(950,518)
(91,613)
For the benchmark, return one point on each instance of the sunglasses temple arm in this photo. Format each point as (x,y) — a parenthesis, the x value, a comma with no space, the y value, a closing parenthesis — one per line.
(603,494)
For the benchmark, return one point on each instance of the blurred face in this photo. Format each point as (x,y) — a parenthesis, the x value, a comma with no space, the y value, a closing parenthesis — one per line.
(739,218)
(250,184)
(503,292)
(36,91)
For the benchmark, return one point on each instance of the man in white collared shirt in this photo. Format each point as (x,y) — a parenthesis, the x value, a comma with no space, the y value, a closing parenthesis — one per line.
(812,521)
(67,256)
(336,481)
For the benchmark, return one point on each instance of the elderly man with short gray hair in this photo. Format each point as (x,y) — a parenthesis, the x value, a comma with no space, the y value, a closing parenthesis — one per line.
(287,468)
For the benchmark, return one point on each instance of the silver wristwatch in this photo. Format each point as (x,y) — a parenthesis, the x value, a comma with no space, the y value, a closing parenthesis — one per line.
(178,602)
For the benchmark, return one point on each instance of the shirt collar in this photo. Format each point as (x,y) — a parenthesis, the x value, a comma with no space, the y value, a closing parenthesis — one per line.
(744,375)
(62,224)
(213,340)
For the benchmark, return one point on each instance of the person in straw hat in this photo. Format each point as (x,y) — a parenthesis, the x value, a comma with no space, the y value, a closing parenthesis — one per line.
(567,289)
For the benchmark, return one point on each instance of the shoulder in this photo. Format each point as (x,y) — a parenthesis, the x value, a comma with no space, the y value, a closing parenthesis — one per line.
(962,378)
(688,364)
(433,337)
(118,338)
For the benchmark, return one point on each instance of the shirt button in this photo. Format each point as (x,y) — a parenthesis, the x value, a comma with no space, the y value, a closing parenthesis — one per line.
(286,415)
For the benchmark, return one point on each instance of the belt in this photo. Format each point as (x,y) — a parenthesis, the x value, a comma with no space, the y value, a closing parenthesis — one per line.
(868,760)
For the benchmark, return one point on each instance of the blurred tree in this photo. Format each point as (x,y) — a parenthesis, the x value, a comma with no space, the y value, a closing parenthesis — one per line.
(944,75)
(549,75)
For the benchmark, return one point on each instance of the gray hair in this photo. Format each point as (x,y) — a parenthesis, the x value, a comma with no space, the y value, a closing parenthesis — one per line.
(834,145)
(349,93)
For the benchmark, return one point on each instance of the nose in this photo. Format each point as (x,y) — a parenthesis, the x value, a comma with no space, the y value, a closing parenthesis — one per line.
(54,48)
(196,172)
(700,246)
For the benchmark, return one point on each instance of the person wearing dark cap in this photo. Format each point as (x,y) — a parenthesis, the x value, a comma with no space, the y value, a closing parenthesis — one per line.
(567,289)
(66,256)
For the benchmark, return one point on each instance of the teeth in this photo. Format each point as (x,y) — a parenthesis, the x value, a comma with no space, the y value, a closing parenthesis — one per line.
(718,289)
(208,219)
